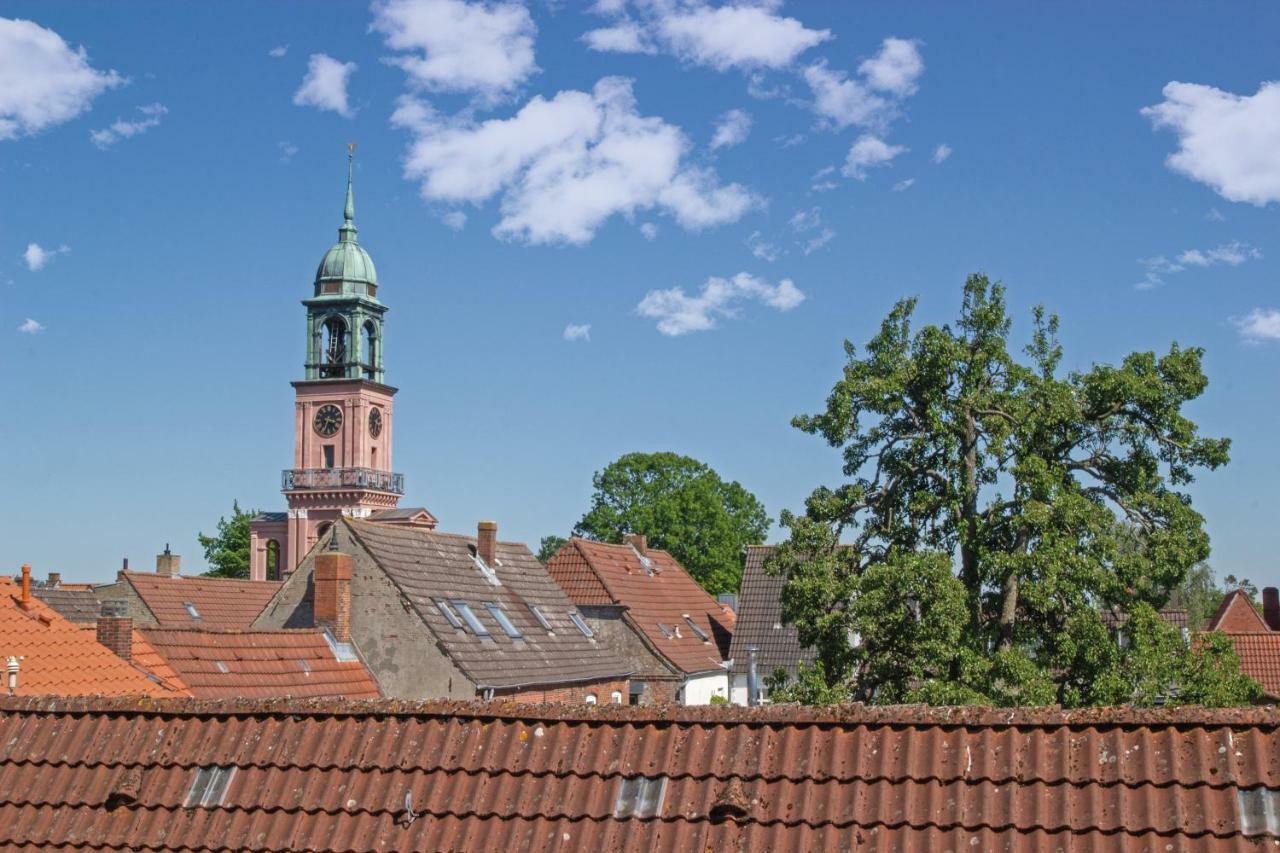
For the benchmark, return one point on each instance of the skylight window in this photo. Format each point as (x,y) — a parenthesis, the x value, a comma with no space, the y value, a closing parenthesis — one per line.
(473,622)
(499,615)
(695,628)
(542,619)
(1259,811)
(581,625)
(209,787)
(191,610)
(305,664)
(447,612)
(640,796)
(222,666)
(666,629)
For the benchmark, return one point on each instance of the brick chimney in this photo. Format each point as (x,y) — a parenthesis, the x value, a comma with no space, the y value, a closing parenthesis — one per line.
(331,605)
(55,580)
(25,602)
(168,563)
(124,567)
(1271,607)
(115,627)
(487,542)
(638,541)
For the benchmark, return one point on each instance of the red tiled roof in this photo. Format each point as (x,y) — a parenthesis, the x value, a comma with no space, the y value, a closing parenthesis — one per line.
(146,659)
(1236,614)
(1260,658)
(221,602)
(455,776)
(59,657)
(259,664)
(653,597)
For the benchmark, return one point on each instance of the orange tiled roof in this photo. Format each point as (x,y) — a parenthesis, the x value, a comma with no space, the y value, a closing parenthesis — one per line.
(597,573)
(259,664)
(61,658)
(146,659)
(1236,614)
(1260,658)
(222,603)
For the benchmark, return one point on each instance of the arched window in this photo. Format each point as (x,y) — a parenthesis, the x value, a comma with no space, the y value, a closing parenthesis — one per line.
(616,697)
(273,560)
(369,349)
(334,354)
(591,698)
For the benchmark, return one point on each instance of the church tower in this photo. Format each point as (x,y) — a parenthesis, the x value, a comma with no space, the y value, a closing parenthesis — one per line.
(343,419)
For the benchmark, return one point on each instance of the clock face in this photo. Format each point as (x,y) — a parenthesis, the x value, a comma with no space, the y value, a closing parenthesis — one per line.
(328,420)
(375,422)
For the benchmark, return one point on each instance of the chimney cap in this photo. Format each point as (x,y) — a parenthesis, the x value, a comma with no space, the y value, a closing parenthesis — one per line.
(487,525)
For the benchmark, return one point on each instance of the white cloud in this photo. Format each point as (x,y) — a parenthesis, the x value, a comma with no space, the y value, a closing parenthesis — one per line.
(121,129)
(842,100)
(43,82)
(731,130)
(649,230)
(762,249)
(453,46)
(455,219)
(576,332)
(822,179)
(868,152)
(1215,215)
(817,241)
(1232,254)
(806,220)
(903,186)
(896,68)
(744,36)
(1227,141)
(563,166)
(287,150)
(626,36)
(941,153)
(278,51)
(1260,324)
(325,86)
(678,313)
(30,327)
(37,257)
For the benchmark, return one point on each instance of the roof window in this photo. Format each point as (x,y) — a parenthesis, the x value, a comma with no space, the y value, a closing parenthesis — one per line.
(222,666)
(209,787)
(695,628)
(1259,811)
(473,622)
(581,625)
(305,664)
(640,796)
(508,627)
(447,612)
(542,618)
(489,574)
(666,629)
(191,610)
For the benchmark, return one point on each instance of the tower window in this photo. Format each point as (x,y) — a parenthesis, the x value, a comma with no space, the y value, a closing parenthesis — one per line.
(328,455)
(273,560)
(335,348)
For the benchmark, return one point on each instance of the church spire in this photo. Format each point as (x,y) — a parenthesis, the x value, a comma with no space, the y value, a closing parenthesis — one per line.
(348,230)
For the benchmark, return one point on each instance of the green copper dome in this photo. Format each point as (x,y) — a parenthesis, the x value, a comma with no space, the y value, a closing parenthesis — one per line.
(346,262)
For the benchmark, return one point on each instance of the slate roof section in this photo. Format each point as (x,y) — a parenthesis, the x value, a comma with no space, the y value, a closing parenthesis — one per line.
(61,657)
(259,664)
(457,776)
(222,603)
(658,595)
(1236,614)
(427,565)
(760,621)
(77,604)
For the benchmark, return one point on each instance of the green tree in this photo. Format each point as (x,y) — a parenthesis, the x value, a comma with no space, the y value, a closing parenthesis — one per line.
(549,546)
(1033,484)
(227,552)
(683,507)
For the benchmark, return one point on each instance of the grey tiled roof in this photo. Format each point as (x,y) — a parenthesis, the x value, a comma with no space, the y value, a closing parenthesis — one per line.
(427,565)
(760,620)
(271,516)
(76,605)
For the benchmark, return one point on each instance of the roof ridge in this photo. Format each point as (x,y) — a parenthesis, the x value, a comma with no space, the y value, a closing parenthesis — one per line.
(201,578)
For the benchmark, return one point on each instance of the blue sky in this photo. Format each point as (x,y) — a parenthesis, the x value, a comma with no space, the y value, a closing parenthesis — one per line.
(723,194)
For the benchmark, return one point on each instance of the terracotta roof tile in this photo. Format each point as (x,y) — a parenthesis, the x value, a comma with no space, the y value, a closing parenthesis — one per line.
(759,620)
(1260,658)
(259,664)
(457,776)
(1236,613)
(220,602)
(60,657)
(657,596)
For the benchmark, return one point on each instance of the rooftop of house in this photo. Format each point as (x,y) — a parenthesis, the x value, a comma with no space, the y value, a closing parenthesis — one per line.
(1260,659)
(495,776)
(259,664)
(465,602)
(57,656)
(1236,613)
(1174,616)
(200,602)
(76,603)
(677,616)
(760,621)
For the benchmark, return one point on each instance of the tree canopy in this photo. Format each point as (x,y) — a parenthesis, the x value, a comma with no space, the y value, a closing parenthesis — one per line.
(548,547)
(227,552)
(683,507)
(993,507)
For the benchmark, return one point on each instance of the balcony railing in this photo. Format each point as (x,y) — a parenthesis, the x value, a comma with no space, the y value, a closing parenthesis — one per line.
(293,479)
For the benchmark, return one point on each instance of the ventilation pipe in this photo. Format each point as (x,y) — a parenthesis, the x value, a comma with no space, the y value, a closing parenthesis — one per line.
(12,664)
(753,681)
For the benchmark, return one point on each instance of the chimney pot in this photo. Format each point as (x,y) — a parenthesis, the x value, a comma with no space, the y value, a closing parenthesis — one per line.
(638,541)
(331,594)
(124,564)
(26,587)
(487,542)
(115,627)
(1271,607)
(55,578)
